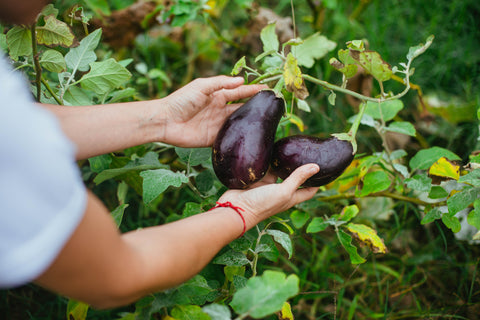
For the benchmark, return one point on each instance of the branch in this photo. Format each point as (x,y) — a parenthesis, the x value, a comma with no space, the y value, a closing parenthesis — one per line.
(36,62)
(386,194)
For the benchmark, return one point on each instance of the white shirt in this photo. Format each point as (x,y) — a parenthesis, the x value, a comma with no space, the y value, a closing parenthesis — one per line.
(42,195)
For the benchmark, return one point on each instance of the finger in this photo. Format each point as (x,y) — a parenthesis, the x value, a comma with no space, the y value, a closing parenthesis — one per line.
(212,84)
(243,92)
(304,194)
(300,175)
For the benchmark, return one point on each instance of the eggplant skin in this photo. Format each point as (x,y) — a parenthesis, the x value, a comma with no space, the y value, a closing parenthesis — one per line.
(332,155)
(242,151)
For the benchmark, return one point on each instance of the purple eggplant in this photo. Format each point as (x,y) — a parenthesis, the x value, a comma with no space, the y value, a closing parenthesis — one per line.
(243,148)
(332,155)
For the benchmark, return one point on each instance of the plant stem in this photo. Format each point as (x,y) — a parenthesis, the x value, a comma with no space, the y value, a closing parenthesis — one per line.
(340,89)
(387,194)
(49,89)
(36,62)
(358,120)
(265,76)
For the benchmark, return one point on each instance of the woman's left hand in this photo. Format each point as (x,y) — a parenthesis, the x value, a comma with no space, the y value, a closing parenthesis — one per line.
(196,112)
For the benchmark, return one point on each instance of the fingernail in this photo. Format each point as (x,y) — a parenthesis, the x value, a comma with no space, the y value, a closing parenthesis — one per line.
(314,168)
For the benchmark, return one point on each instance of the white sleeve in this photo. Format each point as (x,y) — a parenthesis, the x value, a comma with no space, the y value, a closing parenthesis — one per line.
(42,195)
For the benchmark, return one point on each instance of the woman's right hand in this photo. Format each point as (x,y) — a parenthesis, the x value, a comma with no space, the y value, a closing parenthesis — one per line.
(267,198)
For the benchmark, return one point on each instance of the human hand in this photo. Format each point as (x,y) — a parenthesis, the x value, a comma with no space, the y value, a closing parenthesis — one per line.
(266,198)
(196,112)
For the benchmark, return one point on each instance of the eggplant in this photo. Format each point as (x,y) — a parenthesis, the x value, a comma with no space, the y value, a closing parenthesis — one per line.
(332,155)
(243,147)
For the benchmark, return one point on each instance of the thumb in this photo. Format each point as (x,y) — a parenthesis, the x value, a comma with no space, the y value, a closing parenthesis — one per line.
(300,175)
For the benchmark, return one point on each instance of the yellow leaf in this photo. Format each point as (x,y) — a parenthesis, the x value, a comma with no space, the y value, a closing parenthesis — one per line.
(368,236)
(445,169)
(286,312)
(292,76)
(349,178)
(296,121)
(168,318)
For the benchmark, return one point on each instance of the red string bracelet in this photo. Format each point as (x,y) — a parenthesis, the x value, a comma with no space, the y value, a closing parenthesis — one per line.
(228,204)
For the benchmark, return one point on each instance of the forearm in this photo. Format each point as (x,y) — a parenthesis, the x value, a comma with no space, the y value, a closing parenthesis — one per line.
(101,267)
(175,252)
(101,129)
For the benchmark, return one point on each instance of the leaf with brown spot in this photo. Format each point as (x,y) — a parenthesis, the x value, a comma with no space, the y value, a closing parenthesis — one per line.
(55,33)
(293,78)
(373,63)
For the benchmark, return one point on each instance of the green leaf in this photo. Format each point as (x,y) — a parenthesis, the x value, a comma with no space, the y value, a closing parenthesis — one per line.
(426,157)
(190,312)
(373,63)
(375,181)
(415,51)
(317,224)
(232,258)
(461,200)
(299,218)
(191,208)
(76,96)
(283,239)
(346,242)
(437,192)
(104,76)
(100,163)
(473,217)
(265,295)
(269,38)
(348,213)
(368,236)
(349,70)
(55,33)
(3,42)
(471,178)
(217,311)
(403,127)
(332,97)
(377,208)
(196,290)
(303,105)
(431,216)
(314,47)
(419,182)
(451,222)
(120,95)
(117,213)
(194,156)
(386,110)
(157,181)
(232,271)
(52,60)
(205,180)
(49,10)
(238,67)
(148,162)
(80,58)
(77,310)
(19,42)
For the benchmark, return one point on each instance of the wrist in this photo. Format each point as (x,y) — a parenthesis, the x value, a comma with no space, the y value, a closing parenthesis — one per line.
(238,210)
(156,121)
